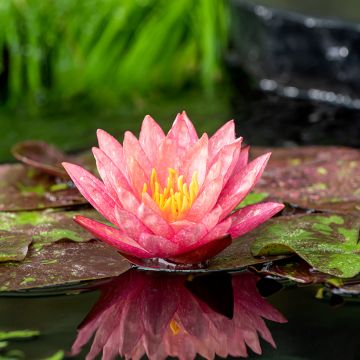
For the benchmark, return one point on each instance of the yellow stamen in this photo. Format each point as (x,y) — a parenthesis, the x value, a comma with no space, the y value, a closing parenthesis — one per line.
(175,328)
(177,197)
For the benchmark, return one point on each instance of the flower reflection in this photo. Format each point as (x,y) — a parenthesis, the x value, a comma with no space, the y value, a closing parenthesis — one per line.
(159,315)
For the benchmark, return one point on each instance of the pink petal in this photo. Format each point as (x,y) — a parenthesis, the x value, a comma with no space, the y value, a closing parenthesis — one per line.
(243,157)
(212,218)
(109,172)
(113,237)
(130,224)
(180,225)
(195,160)
(224,136)
(189,237)
(224,162)
(168,158)
(151,136)
(127,200)
(206,201)
(150,203)
(248,218)
(238,163)
(241,184)
(93,190)
(112,148)
(182,133)
(154,221)
(138,164)
(137,176)
(191,128)
(203,252)
(158,246)
(219,231)
(233,165)
(205,246)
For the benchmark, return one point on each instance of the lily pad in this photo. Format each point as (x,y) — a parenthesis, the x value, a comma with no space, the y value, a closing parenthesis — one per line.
(60,263)
(13,246)
(319,178)
(47,158)
(298,156)
(24,188)
(295,270)
(327,242)
(41,155)
(19,229)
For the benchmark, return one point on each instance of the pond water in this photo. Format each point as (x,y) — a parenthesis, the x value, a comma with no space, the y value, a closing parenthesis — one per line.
(314,329)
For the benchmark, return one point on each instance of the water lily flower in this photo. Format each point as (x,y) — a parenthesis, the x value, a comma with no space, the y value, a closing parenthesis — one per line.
(138,314)
(172,196)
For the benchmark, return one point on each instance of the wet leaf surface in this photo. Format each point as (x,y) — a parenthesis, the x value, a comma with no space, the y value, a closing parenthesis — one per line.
(13,245)
(320,178)
(24,188)
(238,256)
(294,269)
(19,229)
(47,158)
(62,263)
(42,156)
(327,242)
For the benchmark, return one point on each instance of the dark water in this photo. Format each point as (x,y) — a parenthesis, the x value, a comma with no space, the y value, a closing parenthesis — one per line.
(347,10)
(314,330)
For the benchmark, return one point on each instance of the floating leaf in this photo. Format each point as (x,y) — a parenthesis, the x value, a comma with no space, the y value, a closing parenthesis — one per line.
(13,246)
(295,270)
(62,263)
(42,156)
(19,229)
(328,242)
(326,179)
(24,188)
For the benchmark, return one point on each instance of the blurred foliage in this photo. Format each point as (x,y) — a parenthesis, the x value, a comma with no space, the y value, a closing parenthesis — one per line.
(105,49)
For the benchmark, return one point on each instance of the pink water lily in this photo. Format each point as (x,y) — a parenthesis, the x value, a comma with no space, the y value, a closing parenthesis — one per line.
(172,196)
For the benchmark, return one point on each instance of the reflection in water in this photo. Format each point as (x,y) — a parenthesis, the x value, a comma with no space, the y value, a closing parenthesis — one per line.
(160,315)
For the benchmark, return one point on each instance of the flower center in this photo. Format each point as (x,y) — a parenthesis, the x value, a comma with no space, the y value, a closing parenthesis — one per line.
(177,197)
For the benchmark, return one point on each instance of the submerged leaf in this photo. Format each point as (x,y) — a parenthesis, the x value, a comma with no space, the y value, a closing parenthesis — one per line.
(62,263)
(328,242)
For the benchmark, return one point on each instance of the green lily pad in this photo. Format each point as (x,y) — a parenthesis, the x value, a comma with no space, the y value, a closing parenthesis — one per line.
(328,242)
(60,263)
(238,255)
(19,229)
